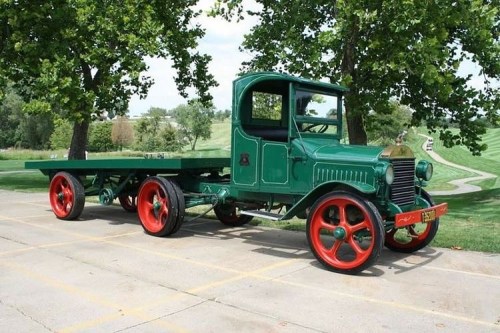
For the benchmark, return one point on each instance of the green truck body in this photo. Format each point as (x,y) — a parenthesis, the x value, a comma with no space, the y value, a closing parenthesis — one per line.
(287,160)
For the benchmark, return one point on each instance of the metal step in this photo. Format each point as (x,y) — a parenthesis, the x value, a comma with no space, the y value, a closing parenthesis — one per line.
(264,215)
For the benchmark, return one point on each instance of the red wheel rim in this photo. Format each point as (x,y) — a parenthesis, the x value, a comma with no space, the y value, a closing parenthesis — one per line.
(412,239)
(61,196)
(153,206)
(359,247)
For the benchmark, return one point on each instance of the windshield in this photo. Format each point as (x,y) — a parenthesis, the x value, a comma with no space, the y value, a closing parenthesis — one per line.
(316,112)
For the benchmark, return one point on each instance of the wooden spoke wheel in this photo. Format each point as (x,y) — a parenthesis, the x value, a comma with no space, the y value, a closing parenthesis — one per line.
(67,196)
(157,206)
(128,202)
(413,237)
(228,215)
(345,232)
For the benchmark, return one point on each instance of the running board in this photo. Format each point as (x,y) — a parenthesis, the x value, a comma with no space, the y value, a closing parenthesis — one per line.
(261,214)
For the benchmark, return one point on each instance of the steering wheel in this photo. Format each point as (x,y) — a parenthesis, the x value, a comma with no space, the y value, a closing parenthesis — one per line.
(309,128)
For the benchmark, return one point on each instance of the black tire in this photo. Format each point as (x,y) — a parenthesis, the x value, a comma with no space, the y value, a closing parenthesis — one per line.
(181,203)
(67,196)
(128,202)
(227,214)
(157,206)
(421,234)
(345,232)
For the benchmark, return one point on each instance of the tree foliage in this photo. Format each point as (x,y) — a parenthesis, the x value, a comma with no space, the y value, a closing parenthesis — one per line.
(10,112)
(407,49)
(154,133)
(194,122)
(22,130)
(122,132)
(384,128)
(61,136)
(84,57)
(100,136)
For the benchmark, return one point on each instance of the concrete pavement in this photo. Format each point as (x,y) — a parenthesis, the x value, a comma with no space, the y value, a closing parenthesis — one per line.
(101,273)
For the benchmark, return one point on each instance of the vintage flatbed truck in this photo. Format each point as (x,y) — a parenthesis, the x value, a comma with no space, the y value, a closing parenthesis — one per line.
(287,160)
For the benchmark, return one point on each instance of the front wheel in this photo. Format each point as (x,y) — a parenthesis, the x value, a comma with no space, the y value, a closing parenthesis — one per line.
(228,215)
(413,237)
(345,232)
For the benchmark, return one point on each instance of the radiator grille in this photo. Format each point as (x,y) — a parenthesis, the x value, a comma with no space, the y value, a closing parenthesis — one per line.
(403,187)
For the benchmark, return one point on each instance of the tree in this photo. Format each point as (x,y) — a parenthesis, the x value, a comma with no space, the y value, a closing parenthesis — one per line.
(147,132)
(385,128)
(169,138)
(122,133)
(409,50)
(61,136)
(194,122)
(100,136)
(85,57)
(10,111)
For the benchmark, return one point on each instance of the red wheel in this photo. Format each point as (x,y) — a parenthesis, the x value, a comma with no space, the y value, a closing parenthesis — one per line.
(157,206)
(227,214)
(128,202)
(413,237)
(67,196)
(345,232)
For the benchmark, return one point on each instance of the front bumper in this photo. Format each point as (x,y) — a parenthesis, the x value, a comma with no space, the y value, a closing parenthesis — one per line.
(426,215)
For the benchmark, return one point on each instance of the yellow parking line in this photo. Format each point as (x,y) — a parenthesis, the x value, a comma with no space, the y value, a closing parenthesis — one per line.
(192,291)
(60,244)
(388,303)
(91,297)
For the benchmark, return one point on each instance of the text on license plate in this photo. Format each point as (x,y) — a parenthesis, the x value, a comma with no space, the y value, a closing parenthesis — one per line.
(428,216)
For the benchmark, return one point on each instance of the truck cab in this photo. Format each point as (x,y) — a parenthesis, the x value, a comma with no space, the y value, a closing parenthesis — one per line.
(274,118)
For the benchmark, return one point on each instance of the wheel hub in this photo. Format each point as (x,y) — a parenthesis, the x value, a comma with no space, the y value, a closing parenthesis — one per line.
(157,206)
(339,233)
(60,196)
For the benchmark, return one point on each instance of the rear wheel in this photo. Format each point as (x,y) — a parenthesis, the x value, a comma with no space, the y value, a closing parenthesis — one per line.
(157,206)
(181,205)
(128,202)
(413,237)
(67,196)
(345,232)
(228,215)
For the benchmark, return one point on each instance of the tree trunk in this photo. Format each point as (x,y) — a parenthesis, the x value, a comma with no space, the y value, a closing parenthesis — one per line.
(193,146)
(355,127)
(355,119)
(79,141)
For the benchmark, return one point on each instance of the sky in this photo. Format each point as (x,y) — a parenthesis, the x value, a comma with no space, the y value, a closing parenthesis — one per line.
(221,41)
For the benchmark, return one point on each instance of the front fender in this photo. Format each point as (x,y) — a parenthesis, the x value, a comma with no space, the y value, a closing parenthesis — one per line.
(309,199)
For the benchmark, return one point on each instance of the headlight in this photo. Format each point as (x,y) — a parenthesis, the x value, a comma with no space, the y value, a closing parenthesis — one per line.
(389,174)
(424,170)
(385,172)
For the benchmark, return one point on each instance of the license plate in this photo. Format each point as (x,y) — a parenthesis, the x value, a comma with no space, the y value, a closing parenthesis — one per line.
(429,216)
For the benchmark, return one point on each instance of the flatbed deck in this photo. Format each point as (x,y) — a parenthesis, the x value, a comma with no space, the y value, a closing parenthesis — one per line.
(158,166)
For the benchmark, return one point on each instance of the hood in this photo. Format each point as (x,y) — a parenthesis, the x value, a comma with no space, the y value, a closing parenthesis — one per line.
(325,149)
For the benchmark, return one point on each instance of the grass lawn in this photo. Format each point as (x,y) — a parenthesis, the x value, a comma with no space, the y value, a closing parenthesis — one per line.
(24,181)
(472,222)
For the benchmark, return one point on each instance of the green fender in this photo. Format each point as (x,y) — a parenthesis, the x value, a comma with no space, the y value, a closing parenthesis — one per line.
(309,199)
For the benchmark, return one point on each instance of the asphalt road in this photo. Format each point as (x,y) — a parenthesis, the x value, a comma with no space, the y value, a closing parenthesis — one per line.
(101,273)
